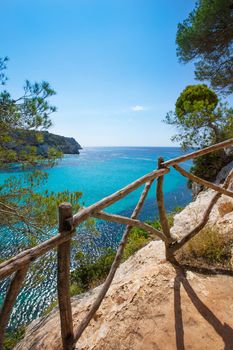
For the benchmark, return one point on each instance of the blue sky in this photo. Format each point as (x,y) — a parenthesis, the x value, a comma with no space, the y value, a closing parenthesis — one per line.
(112,62)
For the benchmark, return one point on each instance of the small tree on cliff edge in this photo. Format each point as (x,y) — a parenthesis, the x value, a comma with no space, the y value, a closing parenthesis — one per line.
(202,119)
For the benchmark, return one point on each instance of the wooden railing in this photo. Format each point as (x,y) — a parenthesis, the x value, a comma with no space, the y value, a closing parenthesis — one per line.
(19,264)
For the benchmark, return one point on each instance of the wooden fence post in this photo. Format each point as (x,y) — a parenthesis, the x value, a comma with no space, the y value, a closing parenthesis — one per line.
(63,278)
(162,211)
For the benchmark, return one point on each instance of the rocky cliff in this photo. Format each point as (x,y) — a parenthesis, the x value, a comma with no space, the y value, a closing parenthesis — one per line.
(151,304)
(42,141)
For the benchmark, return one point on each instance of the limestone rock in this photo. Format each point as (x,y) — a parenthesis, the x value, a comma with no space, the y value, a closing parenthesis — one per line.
(149,306)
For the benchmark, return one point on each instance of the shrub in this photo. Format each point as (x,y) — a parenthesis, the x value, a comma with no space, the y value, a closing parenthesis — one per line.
(90,272)
(137,239)
(208,166)
(13,337)
(207,247)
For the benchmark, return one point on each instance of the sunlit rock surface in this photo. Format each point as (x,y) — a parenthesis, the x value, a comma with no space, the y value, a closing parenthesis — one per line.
(150,305)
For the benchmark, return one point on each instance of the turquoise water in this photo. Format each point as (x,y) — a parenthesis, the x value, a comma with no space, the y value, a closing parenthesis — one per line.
(98,172)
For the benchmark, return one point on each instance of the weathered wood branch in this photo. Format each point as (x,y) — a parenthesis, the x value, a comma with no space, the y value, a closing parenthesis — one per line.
(131,222)
(203,182)
(83,214)
(114,267)
(161,205)
(29,255)
(177,245)
(199,153)
(142,199)
(63,279)
(10,299)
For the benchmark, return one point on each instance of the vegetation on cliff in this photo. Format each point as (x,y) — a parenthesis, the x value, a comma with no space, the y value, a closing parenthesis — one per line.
(210,248)
(24,141)
(206,37)
(40,143)
(202,120)
(24,121)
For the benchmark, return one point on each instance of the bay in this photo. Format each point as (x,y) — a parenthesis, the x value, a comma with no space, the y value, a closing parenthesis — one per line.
(97,172)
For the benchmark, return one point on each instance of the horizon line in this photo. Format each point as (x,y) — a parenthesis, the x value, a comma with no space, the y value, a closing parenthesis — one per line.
(130,146)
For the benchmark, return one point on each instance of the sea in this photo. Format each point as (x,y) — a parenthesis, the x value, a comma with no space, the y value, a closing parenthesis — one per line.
(96,172)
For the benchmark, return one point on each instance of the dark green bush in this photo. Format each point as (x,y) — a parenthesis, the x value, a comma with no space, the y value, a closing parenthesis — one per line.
(208,166)
(90,272)
(12,338)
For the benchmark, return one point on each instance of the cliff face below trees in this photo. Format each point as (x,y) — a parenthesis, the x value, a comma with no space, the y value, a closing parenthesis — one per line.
(22,140)
(151,304)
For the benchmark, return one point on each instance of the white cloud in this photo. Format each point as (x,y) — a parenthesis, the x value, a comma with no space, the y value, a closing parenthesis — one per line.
(137,108)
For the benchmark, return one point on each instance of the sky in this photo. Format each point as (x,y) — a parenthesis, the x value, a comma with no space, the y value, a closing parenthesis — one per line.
(112,63)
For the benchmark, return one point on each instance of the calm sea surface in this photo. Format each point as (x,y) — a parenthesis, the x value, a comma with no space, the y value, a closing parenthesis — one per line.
(96,172)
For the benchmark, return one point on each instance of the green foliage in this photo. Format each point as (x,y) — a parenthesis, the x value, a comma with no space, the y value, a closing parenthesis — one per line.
(22,207)
(35,211)
(12,338)
(206,36)
(3,65)
(208,166)
(170,216)
(50,307)
(201,119)
(31,111)
(90,271)
(195,103)
(207,247)
(138,238)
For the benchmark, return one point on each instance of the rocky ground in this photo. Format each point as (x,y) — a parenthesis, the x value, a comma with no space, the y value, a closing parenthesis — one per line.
(150,305)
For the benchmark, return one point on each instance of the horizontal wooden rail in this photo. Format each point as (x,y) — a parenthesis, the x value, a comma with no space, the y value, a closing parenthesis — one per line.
(199,153)
(83,214)
(203,182)
(29,255)
(131,222)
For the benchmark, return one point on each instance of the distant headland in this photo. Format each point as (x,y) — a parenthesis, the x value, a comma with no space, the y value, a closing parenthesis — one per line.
(21,140)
